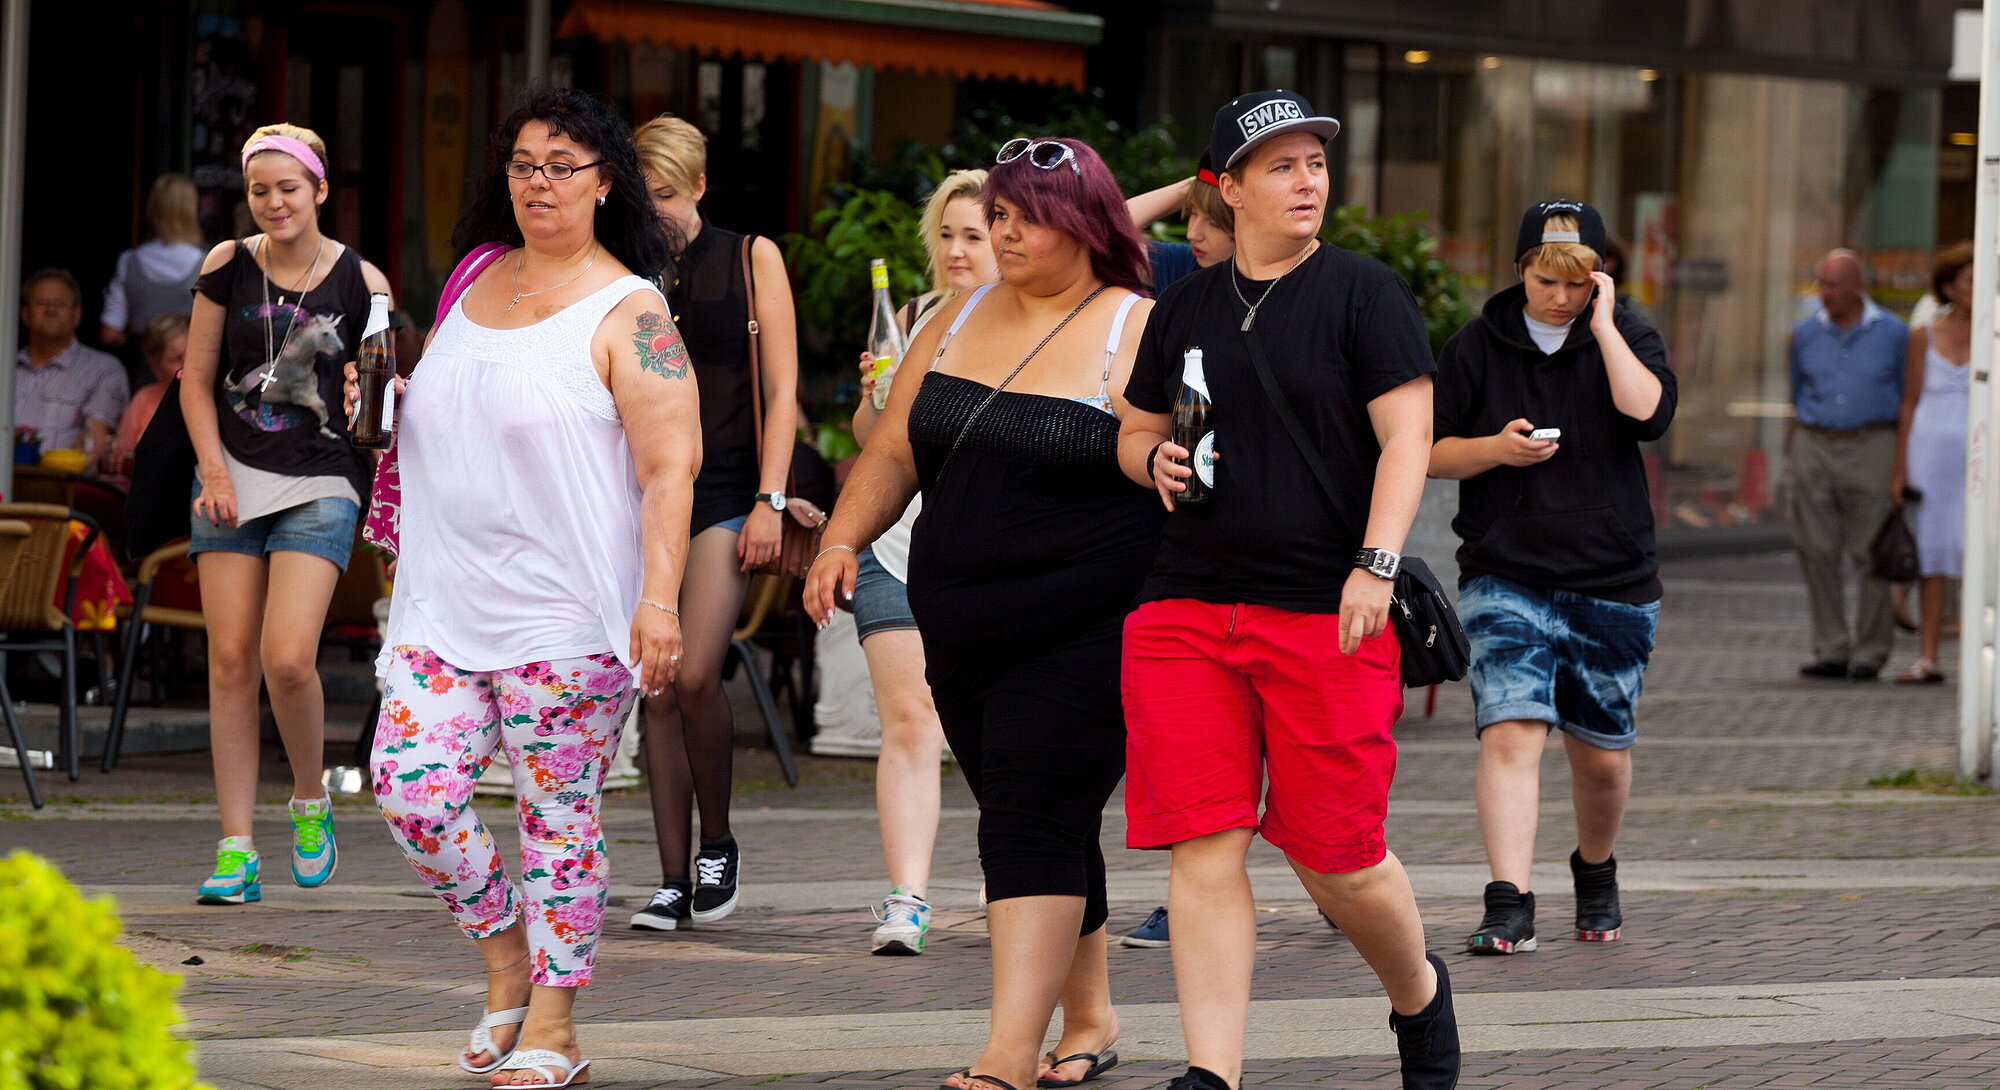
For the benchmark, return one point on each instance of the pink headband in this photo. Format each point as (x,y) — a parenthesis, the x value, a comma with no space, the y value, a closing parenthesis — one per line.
(297,149)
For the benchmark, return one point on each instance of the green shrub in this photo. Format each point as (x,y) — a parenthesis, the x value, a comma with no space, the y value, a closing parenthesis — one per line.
(1401,243)
(77,1011)
(830,266)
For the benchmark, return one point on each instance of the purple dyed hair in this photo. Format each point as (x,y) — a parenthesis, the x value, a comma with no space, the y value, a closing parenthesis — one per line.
(1085,204)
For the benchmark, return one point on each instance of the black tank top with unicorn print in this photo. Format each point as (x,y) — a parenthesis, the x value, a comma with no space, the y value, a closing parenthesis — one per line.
(278,400)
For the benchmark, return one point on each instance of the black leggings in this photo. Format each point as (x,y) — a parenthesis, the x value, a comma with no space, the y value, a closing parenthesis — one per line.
(1043,746)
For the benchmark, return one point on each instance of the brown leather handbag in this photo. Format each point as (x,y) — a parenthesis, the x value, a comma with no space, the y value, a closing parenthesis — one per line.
(803,521)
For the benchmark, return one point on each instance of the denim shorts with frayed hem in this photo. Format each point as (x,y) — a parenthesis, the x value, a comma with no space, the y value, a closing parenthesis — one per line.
(323,527)
(1574,662)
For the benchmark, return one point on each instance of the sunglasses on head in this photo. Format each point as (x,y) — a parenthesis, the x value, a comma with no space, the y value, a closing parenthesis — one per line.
(1047,154)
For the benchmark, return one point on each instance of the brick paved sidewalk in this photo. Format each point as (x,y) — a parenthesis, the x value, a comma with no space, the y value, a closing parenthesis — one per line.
(1740,763)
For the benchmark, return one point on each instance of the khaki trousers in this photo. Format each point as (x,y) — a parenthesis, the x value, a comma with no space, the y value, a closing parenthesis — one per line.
(1840,495)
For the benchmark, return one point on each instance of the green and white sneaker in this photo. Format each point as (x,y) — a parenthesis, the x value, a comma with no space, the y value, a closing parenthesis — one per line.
(906,920)
(235,879)
(313,852)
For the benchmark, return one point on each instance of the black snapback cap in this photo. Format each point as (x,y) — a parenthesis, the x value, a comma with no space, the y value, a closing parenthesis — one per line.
(1589,227)
(1251,119)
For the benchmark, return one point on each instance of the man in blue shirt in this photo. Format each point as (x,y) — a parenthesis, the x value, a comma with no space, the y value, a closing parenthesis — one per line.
(1847,363)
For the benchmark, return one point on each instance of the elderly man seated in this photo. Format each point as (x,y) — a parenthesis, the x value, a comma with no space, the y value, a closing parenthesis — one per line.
(70,394)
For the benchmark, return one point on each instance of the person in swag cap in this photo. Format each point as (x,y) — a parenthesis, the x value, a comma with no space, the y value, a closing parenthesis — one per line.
(1261,646)
(1542,402)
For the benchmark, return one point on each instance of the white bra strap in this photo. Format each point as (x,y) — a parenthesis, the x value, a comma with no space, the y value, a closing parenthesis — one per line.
(971,303)
(1111,343)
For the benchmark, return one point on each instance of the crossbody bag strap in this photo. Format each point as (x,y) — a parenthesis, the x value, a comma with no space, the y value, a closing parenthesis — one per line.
(756,369)
(1297,430)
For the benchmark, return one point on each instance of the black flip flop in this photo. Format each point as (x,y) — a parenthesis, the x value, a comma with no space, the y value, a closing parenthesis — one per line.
(966,1074)
(1098,1066)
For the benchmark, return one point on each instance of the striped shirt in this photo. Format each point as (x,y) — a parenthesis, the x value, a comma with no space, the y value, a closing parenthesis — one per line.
(76,385)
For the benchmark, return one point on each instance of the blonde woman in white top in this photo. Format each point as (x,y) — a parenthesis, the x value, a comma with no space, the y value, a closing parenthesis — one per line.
(906,772)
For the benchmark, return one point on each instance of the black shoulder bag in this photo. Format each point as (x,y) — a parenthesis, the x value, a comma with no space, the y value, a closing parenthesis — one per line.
(1435,647)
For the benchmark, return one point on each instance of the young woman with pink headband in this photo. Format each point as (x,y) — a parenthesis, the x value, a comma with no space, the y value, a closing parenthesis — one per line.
(276,316)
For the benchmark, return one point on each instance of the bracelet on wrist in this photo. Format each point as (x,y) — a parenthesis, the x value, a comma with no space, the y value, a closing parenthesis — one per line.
(1153,456)
(660,607)
(829,549)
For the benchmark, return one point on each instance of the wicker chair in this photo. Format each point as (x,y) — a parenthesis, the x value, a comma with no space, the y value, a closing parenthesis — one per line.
(13,543)
(167,558)
(27,617)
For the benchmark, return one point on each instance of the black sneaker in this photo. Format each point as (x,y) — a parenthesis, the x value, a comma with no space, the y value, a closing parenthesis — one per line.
(1428,1042)
(1198,1078)
(715,871)
(1509,926)
(667,911)
(1824,669)
(1598,918)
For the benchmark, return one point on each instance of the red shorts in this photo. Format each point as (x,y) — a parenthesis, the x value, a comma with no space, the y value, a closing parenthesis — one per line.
(1217,697)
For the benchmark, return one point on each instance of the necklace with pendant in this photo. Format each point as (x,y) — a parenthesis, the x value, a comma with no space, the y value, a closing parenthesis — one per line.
(270,357)
(1252,307)
(520,295)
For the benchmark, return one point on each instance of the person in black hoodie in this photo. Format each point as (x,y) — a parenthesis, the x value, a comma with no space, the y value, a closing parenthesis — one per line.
(1541,404)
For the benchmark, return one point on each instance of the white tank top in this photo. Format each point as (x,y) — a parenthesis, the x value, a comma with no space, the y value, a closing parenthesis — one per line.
(520,517)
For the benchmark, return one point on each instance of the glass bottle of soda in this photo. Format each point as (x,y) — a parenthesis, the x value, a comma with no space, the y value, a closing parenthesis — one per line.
(885,334)
(375,379)
(1194,428)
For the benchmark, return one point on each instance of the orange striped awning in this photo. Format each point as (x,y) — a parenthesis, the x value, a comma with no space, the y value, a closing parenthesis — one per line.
(730,30)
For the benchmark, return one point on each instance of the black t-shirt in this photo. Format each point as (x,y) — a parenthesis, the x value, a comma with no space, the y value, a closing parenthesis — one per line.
(278,397)
(1339,331)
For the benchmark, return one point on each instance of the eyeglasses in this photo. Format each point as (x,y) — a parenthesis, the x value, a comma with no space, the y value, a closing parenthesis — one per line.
(1047,154)
(521,170)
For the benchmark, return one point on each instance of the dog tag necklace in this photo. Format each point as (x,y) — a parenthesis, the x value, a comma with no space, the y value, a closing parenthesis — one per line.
(521,264)
(271,358)
(1252,307)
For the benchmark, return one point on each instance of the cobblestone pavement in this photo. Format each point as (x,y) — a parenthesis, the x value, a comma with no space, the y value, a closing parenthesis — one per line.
(1788,925)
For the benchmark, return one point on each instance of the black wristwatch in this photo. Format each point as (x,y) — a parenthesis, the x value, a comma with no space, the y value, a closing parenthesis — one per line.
(775,499)
(1380,563)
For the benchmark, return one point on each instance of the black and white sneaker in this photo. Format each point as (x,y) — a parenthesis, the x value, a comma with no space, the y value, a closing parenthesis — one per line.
(1509,926)
(667,911)
(715,872)
(1598,916)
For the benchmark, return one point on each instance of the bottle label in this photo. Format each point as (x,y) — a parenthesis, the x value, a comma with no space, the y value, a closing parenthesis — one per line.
(389,405)
(880,393)
(878,277)
(1204,459)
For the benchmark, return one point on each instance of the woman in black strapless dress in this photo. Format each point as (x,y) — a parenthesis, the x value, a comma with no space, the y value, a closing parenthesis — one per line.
(1030,550)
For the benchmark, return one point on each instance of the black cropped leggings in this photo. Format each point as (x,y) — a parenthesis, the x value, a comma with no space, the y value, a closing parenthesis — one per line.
(1043,746)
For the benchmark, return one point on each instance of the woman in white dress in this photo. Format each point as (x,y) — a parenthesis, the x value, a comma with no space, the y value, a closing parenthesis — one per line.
(1930,448)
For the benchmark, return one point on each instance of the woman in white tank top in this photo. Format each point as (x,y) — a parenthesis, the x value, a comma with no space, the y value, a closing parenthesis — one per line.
(548,449)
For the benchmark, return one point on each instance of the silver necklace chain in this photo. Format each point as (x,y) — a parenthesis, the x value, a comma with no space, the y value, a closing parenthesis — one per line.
(520,265)
(1252,307)
(270,358)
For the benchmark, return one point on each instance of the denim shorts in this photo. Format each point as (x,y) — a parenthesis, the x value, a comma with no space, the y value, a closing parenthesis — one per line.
(323,527)
(1571,661)
(881,601)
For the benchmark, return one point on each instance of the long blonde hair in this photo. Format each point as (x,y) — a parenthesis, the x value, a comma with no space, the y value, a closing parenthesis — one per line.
(170,210)
(958,184)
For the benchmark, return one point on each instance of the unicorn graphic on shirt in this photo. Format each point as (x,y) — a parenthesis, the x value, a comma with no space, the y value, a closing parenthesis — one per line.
(293,377)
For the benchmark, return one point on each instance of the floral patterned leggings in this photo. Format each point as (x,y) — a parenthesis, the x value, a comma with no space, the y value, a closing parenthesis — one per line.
(559,721)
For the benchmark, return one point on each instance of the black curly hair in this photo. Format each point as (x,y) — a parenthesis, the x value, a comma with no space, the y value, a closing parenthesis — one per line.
(627,224)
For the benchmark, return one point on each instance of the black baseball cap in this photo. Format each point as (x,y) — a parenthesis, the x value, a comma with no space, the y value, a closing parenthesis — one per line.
(1589,227)
(1251,119)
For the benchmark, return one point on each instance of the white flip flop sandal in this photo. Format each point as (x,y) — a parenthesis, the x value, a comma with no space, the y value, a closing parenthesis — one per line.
(482,1039)
(547,1062)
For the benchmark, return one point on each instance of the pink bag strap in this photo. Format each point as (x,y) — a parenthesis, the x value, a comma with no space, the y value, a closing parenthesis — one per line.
(468,270)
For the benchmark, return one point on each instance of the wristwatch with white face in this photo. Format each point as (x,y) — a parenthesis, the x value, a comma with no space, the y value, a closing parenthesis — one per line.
(1380,563)
(775,499)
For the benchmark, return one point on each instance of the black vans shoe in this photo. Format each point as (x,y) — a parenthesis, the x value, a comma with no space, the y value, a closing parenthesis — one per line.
(1428,1042)
(1598,917)
(715,874)
(1509,926)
